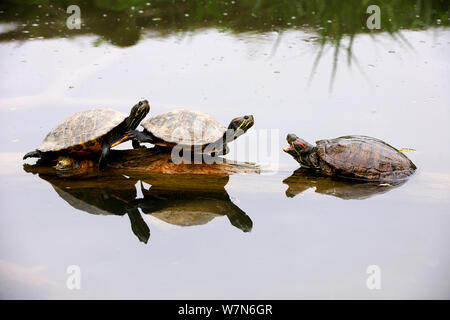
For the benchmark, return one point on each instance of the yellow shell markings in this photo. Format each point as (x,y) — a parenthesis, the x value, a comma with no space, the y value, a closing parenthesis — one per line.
(82,128)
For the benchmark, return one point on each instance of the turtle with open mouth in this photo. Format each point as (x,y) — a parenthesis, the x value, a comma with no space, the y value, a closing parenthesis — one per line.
(355,157)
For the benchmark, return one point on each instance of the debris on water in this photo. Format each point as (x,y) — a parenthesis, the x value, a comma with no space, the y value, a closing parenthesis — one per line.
(371,65)
(276,71)
(15,140)
(71,87)
(391,51)
(157,19)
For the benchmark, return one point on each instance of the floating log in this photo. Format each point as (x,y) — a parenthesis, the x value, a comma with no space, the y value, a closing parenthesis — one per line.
(142,162)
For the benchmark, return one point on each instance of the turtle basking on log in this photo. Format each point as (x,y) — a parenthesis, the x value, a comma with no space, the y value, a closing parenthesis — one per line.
(89,132)
(193,129)
(355,157)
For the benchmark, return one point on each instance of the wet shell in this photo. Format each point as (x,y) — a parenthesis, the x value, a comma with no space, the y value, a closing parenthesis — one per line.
(363,158)
(84,127)
(185,127)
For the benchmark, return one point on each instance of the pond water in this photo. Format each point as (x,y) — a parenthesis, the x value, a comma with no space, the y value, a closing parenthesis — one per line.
(250,236)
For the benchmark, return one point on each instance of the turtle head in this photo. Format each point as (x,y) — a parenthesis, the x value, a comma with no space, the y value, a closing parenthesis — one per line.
(70,167)
(66,163)
(244,123)
(137,114)
(239,126)
(298,147)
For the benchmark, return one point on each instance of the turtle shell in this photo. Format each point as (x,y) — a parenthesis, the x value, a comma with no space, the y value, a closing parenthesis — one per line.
(363,158)
(185,127)
(82,129)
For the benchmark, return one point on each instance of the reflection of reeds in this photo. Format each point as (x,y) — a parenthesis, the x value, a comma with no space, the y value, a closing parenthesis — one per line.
(122,22)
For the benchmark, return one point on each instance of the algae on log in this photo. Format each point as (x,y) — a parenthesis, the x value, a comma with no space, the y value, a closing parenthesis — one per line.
(142,162)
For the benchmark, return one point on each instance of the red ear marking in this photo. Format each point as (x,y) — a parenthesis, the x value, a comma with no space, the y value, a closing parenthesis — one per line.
(237,119)
(304,147)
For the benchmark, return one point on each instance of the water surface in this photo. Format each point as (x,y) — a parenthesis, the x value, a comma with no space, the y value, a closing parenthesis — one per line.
(267,235)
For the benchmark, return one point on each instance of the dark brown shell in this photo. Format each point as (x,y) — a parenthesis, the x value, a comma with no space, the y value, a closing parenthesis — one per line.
(362,157)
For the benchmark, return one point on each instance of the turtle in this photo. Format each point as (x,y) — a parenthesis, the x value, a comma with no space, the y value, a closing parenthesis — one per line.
(355,157)
(193,129)
(91,131)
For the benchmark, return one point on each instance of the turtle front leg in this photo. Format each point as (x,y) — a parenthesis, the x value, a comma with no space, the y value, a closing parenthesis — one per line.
(225,150)
(106,147)
(33,154)
(136,144)
(141,137)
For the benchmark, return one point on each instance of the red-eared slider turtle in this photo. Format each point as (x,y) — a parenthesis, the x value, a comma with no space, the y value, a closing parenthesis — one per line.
(357,157)
(191,128)
(91,131)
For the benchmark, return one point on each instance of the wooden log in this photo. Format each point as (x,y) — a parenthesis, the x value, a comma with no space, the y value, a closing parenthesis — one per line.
(142,162)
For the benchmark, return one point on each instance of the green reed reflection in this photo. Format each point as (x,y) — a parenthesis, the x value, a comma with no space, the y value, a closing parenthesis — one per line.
(124,22)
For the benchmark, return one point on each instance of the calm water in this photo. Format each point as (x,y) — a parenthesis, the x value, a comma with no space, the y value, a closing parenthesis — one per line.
(247,236)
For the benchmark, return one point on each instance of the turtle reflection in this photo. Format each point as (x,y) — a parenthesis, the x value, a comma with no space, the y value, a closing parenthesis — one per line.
(183,200)
(302,179)
(103,196)
(188,200)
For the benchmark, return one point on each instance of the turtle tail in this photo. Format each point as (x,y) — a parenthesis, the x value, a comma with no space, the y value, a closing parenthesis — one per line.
(32,154)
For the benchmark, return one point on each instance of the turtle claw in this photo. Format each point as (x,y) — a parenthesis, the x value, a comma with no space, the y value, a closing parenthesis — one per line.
(133,134)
